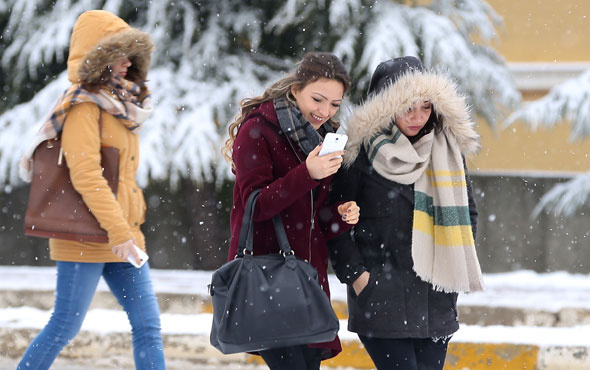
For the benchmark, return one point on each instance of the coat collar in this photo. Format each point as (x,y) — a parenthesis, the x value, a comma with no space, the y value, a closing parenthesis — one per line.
(266,111)
(375,115)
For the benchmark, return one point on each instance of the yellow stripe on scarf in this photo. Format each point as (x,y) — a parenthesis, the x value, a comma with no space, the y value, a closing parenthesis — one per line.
(450,174)
(447,236)
(445,173)
(449,184)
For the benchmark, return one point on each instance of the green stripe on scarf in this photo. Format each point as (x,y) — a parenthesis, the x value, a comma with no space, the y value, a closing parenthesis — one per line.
(385,140)
(443,216)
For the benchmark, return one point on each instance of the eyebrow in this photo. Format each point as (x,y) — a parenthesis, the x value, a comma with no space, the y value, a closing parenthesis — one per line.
(322,95)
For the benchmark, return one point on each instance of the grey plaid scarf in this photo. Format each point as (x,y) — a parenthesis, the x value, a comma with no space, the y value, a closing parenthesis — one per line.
(297,128)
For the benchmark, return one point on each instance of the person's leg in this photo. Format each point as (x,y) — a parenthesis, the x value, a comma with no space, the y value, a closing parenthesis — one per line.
(430,353)
(133,289)
(292,358)
(76,284)
(313,357)
(388,353)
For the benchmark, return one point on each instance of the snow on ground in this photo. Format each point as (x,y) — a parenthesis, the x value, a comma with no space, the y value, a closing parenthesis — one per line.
(522,289)
(108,321)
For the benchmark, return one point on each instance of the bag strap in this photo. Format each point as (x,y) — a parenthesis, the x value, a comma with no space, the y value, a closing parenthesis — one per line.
(60,156)
(99,123)
(246,241)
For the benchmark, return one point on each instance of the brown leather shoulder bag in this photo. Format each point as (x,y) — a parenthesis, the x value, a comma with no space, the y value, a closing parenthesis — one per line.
(55,209)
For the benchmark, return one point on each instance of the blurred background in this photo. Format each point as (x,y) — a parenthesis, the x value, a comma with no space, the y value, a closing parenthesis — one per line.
(524,66)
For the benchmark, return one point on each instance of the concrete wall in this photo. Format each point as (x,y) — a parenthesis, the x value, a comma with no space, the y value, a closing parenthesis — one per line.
(188,228)
(509,239)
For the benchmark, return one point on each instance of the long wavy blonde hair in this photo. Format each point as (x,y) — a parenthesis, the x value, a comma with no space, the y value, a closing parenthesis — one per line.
(312,67)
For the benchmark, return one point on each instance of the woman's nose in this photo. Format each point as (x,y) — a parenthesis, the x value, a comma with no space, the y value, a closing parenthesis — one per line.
(425,115)
(325,110)
(418,116)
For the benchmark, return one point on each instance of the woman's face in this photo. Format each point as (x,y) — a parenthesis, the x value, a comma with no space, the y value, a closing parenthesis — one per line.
(319,101)
(412,122)
(119,67)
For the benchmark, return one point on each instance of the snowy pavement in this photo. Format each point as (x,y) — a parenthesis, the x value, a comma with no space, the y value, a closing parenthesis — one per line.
(111,321)
(515,291)
(520,289)
(526,290)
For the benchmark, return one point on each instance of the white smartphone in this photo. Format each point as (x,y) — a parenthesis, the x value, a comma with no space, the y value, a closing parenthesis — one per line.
(333,143)
(143,257)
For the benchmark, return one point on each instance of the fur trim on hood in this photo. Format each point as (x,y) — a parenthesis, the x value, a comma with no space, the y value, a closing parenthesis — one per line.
(100,38)
(379,110)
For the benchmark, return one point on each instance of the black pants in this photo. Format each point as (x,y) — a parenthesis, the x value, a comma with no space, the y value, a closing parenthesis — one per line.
(406,353)
(292,358)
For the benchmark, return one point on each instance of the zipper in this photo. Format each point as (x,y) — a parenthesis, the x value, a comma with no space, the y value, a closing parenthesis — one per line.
(312,224)
(312,221)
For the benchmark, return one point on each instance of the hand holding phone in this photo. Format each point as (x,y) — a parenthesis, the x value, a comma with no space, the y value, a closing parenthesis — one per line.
(333,143)
(143,257)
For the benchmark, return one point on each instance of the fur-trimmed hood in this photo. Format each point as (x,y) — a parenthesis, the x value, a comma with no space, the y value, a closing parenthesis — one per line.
(100,38)
(375,115)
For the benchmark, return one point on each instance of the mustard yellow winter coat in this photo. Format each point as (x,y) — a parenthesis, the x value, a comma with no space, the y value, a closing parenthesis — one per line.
(95,36)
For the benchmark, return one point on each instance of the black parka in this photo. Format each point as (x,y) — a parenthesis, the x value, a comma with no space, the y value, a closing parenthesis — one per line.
(396,303)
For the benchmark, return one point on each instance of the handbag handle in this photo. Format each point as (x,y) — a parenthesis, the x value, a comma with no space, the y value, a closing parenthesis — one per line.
(60,156)
(246,242)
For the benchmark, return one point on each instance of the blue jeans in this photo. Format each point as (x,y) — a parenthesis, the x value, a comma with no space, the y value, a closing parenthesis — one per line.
(76,284)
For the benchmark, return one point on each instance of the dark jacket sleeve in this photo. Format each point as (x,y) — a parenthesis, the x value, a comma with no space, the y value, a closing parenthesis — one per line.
(345,256)
(252,154)
(472,206)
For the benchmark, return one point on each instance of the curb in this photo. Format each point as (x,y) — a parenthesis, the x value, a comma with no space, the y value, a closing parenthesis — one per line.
(195,303)
(184,350)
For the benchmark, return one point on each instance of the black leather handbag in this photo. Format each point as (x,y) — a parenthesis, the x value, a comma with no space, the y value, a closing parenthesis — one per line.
(268,301)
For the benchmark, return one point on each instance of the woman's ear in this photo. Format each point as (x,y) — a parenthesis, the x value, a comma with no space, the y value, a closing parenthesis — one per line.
(295,90)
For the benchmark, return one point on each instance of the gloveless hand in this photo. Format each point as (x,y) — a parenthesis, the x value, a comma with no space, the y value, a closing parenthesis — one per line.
(350,212)
(324,166)
(361,282)
(125,250)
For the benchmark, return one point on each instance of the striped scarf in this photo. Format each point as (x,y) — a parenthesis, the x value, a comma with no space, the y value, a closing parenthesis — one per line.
(443,249)
(297,128)
(125,100)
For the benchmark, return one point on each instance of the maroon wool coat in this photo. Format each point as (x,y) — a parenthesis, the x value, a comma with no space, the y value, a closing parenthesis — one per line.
(265,159)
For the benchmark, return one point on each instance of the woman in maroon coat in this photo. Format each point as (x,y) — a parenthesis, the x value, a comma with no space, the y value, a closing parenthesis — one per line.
(273,145)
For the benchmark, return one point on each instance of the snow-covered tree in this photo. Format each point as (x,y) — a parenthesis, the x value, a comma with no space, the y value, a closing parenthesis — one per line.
(211,53)
(566,102)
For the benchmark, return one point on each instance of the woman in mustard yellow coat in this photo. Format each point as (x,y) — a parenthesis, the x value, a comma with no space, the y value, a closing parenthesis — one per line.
(106,105)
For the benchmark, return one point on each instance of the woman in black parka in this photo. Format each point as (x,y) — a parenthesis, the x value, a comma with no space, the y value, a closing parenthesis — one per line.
(413,248)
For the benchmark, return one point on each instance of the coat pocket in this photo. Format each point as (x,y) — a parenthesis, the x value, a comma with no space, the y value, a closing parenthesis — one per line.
(382,301)
(362,297)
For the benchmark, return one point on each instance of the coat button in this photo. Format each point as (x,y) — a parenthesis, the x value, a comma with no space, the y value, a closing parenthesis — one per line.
(135,223)
(132,157)
(134,190)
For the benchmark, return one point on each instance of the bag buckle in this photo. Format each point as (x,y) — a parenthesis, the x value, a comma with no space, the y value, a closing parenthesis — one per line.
(245,252)
(290,253)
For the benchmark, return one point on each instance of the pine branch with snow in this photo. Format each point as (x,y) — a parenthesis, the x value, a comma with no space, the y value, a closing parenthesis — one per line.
(211,54)
(566,102)
(566,198)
